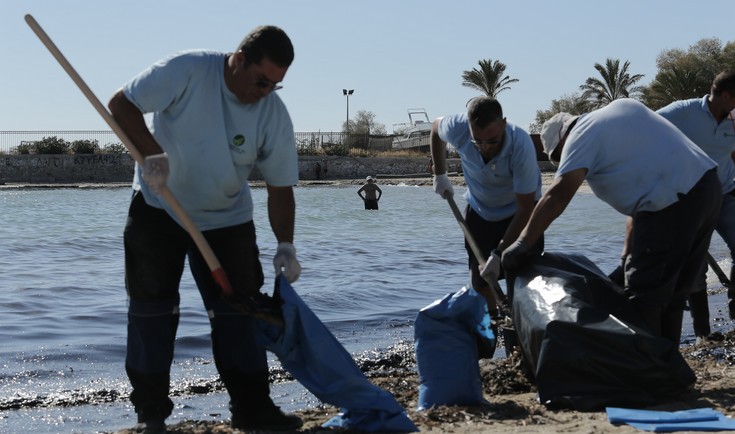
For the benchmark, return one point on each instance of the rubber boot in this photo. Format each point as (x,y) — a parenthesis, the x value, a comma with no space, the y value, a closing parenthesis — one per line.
(251,406)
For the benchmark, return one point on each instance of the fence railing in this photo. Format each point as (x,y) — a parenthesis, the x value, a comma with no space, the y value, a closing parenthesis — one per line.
(12,141)
(308,143)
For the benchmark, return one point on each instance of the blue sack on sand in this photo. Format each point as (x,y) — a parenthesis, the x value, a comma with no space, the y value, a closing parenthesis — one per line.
(698,419)
(445,335)
(314,357)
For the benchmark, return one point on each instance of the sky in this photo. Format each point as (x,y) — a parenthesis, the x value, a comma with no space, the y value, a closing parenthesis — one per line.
(396,54)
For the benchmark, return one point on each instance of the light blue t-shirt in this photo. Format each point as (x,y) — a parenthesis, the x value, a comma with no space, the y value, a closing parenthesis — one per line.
(492,187)
(213,141)
(636,159)
(717,140)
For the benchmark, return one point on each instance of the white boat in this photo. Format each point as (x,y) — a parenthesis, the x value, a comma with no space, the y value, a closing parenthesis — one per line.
(416,136)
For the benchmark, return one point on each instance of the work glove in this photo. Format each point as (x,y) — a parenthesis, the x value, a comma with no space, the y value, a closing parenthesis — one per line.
(442,186)
(491,270)
(516,255)
(285,261)
(155,172)
(618,274)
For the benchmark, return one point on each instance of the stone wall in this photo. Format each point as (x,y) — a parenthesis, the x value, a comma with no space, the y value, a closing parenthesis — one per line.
(104,168)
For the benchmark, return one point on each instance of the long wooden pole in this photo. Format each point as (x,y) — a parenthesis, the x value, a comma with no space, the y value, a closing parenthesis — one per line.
(495,290)
(214,265)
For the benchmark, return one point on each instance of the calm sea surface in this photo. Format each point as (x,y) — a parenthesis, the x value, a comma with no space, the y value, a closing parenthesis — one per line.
(365,274)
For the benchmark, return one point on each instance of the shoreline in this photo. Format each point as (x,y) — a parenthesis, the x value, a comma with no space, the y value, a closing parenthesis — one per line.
(410,179)
(513,406)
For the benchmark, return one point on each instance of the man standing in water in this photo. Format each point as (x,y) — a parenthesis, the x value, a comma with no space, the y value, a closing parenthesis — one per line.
(503,182)
(641,165)
(215,116)
(709,123)
(370,193)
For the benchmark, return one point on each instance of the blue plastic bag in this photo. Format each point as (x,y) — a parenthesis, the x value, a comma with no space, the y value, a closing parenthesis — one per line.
(314,357)
(445,335)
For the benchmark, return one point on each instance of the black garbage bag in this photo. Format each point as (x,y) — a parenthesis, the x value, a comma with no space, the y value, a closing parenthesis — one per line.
(583,342)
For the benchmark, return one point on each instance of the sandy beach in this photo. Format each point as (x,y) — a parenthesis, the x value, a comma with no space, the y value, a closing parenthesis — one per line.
(513,402)
(513,405)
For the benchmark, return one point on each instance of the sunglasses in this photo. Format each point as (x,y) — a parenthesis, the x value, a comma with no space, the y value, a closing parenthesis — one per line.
(489,142)
(267,84)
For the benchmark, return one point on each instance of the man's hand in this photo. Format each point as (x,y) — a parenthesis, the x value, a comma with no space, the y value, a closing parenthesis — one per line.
(442,186)
(516,255)
(618,274)
(491,270)
(155,172)
(285,260)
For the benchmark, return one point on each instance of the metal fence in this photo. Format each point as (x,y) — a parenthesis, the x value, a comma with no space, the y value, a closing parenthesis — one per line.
(307,143)
(10,141)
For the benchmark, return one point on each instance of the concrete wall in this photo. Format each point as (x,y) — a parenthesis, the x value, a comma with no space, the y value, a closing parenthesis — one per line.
(102,168)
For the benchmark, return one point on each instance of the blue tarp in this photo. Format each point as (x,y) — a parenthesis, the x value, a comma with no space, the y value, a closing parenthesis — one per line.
(314,357)
(698,419)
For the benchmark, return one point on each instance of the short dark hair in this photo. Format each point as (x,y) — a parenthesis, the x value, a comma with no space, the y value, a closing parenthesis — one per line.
(269,42)
(724,82)
(483,111)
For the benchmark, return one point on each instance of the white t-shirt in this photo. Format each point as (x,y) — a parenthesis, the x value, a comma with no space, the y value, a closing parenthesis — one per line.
(636,159)
(717,139)
(213,141)
(492,186)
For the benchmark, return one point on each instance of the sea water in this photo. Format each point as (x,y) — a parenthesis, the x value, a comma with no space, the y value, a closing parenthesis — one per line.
(366,274)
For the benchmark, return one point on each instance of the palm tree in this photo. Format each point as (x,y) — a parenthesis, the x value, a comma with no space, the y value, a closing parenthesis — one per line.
(489,78)
(676,83)
(616,83)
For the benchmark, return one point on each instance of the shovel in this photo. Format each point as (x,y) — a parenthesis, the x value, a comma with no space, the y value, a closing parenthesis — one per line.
(259,307)
(500,299)
(726,282)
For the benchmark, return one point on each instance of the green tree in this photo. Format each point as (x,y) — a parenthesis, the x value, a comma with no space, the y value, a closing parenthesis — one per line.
(674,84)
(685,74)
(489,78)
(573,104)
(364,123)
(616,83)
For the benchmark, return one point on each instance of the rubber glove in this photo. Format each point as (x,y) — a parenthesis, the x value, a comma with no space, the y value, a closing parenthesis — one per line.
(618,274)
(442,186)
(285,261)
(491,270)
(155,172)
(515,255)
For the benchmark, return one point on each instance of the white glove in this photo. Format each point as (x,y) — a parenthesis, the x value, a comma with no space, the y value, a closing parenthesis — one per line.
(285,259)
(442,186)
(155,172)
(491,269)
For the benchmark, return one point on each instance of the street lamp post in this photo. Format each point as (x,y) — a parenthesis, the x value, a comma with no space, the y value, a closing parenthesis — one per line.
(347,93)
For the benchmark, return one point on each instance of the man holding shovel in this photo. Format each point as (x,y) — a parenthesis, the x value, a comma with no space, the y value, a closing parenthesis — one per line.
(215,116)
(503,183)
(708,122)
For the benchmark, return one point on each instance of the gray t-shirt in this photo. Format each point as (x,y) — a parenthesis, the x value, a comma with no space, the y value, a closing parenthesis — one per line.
(636,159)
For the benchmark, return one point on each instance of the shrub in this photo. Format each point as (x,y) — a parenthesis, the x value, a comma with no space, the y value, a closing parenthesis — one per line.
(114,148)
(51,145)
(24,148)
(335,149)
(85,146)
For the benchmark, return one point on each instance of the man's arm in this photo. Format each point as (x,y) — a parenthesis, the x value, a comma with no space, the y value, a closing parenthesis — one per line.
(131,120)
(282,212)
(552,204)
(380,192)
(438,149)
(524,207)
(359,192)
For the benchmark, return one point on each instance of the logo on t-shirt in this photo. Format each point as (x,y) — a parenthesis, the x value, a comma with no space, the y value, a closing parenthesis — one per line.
(238,140)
